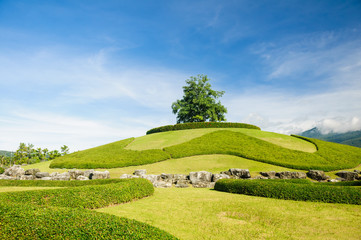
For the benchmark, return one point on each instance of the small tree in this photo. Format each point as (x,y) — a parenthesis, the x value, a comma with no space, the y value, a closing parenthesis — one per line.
(199,102)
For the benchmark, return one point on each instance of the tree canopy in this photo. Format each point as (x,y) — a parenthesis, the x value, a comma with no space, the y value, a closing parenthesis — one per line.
(199,102)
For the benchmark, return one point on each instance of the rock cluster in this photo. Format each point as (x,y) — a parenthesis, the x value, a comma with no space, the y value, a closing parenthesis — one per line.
(17,173)
(283,175)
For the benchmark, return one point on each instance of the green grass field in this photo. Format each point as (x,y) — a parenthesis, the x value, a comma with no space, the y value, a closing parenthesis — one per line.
(207,214)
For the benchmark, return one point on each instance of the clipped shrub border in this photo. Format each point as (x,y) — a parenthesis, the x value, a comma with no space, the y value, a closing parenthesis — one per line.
(91,196)
(194,125)
(25,221)
(292,190)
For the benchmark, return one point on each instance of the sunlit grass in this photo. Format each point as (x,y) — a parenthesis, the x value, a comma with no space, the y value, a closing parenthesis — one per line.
(207,214)
(19,189)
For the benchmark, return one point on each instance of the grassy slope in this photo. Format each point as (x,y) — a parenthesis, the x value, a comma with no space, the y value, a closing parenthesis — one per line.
(206,214)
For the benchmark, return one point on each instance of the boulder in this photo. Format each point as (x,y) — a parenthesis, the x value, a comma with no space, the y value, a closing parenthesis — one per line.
(162,184)
(74,174)
(239,173)
(27,177)
(357,171)
(45,178)
(53,174)
(182,184)
(62,176)
(259,177)
(152,178)
(89,173)
(82,178)
(201,176)
(14,171)
(317,175)
(140,172)
(100,175)
(126,176)
(32,171)
(203,184)
(269,175)
(216,176)
(291,175)
(348,176)
(42,174)
(5,177)
(167,177)
(180,177)
(332,180)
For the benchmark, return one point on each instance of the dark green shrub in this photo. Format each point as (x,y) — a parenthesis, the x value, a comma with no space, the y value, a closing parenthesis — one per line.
(291,191)
(91,196)
(2,170)
(194,125)
(25,221)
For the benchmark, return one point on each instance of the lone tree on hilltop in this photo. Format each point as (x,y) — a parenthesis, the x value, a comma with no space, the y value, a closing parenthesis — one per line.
(199,102)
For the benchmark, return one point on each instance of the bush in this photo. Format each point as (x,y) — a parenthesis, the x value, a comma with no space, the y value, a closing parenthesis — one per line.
(25,221)
(2,170)
(194,125)
(291,190)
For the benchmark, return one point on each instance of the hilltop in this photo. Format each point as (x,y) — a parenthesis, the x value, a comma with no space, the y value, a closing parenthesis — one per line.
(244,142)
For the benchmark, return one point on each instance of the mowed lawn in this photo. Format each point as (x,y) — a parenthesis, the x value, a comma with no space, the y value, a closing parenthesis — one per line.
(207,214)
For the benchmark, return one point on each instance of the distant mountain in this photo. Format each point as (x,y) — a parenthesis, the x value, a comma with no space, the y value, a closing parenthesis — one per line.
(5,153)
(348,138)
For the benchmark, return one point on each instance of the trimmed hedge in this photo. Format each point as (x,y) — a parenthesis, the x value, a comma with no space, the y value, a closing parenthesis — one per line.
(291,190)
(112,155)
(330,156)
(38,183)
(25,221)
(194,125)
(92,196)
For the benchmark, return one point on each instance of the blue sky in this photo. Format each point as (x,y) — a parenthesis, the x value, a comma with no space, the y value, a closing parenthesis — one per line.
(84,73)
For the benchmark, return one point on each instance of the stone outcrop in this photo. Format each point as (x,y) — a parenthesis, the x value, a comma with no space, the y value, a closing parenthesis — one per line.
(218,176)
(32,171)
(347,176)
(201,176)
(42,174)
(14,171)
(291,175)
(317,175)
(140,172)
(269,175)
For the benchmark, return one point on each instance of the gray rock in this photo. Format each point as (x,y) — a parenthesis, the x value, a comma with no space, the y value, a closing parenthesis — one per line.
(140,172)
(89,173)
(82,178)
(74,174)
(239,173)
(357,171)
(202,176)
(5,177)
(332,180)
(270,175)
(27,177)
(162,184)
(126,176)
(259,177)
(14,171)
(101,175)
(42,174)
(317,175)
(45,178)
(203,184)
(62,177)
(32,171)
(182,184)
(152,178)
(180,177)
(216,176)
(53,174)
(167,177)
(291,175)
(340,179)
(348,176)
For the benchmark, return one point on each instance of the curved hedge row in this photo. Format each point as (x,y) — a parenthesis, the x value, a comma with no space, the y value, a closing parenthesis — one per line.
(194,125)
(25,221)
(291,190)
(91,196)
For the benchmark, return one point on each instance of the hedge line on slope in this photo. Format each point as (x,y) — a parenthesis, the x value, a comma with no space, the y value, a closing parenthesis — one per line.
(291,191)
(91,196)
(112,155)
(328,157)
(25,221)
(37,183)
(194,125)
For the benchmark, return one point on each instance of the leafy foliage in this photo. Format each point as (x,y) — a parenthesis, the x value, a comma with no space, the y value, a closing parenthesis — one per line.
(2,170)
(41,214)
(299,191)
(109,156)
(195,125)
(329,156)
(199,102)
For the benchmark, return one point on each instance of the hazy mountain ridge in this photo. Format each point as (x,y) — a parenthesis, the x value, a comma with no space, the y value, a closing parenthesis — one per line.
(349,138)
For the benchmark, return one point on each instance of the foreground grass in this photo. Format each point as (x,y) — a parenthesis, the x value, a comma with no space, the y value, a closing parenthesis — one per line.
(207,214)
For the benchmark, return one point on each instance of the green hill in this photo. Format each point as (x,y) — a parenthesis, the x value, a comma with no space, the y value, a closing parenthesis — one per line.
(253,144)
